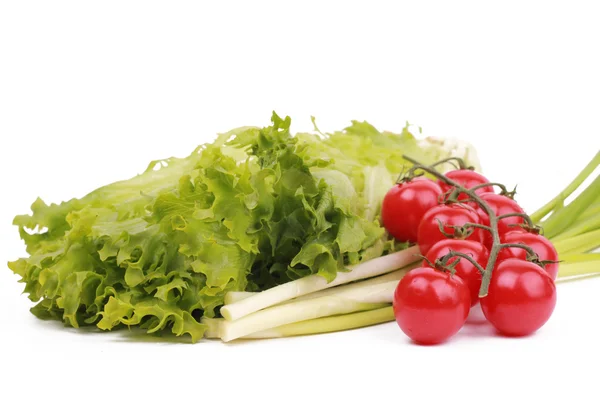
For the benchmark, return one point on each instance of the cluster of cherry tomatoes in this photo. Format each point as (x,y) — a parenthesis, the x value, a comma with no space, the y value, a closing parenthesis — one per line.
(432,302)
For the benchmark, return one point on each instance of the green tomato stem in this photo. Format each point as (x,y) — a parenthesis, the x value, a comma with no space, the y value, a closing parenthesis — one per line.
(488,184)
(528,249)
(459,161)
(480,226)
(560,198)
(525,217)
(487,274)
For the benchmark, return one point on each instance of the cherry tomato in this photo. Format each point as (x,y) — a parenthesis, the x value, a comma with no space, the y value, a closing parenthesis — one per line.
(468,179)
(464,269)
(500,205)
(521,298)
(539,244)
(404,206)
(431,306)
(452,214)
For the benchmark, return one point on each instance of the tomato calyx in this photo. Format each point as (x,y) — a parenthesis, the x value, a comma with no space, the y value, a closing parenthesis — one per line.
(536,229)
(544,263)
(508,193)
(532,256)
(445,265)
(457,193)
(528,225)
(451,254)
(442,266)
(409,176)
(459,231)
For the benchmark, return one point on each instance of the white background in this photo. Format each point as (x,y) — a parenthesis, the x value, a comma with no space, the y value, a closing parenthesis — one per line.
(90,92)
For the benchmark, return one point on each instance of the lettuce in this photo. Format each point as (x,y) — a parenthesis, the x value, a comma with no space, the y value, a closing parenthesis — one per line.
(256,208)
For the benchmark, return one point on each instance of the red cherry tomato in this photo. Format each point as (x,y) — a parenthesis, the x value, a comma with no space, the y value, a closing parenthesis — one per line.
(468,179)
(464,269)
(500,205)
(405,204)
(452,214)
(539,244)
(431,306)
(521,298)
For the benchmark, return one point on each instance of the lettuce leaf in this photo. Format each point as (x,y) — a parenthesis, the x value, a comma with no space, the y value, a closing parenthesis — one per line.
(256,208)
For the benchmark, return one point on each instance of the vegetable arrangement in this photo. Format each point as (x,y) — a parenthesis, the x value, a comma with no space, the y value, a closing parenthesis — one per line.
(265,234)
(502,268)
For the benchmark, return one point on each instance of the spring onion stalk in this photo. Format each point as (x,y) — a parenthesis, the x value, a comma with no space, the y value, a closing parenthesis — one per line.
(234,297)
(560,220)
(573,258)
(334,323)
(585,242)
(353,300)
(579,268)
(321,325)
(315,283)
(592,211)
(391,276)
(562,196)
(590,224)
(213,324)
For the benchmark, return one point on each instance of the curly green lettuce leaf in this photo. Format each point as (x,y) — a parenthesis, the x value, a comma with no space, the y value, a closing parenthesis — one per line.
(256,208)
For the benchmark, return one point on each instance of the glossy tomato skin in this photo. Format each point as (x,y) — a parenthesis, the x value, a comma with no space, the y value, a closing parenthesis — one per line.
(431,306)
(538,243)
(464,269)
(452,214)
(405,204)
(468,179)
(500,205)
(521,298)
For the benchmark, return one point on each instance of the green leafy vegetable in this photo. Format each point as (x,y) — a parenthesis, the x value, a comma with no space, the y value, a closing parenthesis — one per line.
(252,210)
